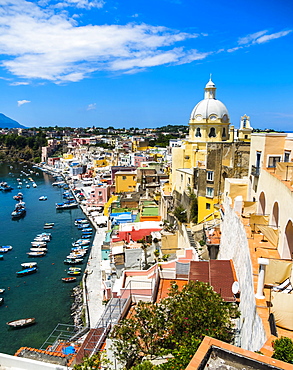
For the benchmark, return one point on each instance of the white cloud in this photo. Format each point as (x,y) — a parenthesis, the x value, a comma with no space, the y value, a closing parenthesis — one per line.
(21,102)
(272,36)
(92,106)
(251,38)
(261,37)
(18,83)
(42,44)
(85,4)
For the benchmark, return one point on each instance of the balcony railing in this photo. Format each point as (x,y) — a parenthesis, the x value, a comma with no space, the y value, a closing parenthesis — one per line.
(255,171)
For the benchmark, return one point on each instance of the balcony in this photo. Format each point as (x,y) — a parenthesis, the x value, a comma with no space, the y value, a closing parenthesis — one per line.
(255,171)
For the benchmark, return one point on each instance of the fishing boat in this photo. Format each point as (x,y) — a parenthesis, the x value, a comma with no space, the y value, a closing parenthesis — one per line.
(8,247)
(43,197)
(74,269)
(73,272)
(19,196)
(28,271)
(19,210)
(38,244)
(40,249)
(2,290)
(66,205)
(70,279)
(36,254)
(73,261)
(21,323)
(27,265)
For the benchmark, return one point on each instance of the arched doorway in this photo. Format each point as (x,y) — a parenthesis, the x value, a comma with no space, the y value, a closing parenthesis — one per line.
(288,239)
(262,204)
(275,215)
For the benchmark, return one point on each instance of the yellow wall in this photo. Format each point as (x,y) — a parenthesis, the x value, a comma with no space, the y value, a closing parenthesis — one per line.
(125,182)
(67,156)
(100,163)
(203,212)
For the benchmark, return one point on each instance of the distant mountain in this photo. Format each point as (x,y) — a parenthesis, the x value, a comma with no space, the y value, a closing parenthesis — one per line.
(6,122)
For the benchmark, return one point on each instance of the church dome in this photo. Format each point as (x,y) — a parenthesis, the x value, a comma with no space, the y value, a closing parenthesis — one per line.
(210,108)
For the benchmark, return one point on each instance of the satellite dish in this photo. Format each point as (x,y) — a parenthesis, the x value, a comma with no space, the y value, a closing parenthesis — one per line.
(235,287)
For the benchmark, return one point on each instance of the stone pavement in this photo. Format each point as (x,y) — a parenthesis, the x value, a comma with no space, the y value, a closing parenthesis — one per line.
(93,281)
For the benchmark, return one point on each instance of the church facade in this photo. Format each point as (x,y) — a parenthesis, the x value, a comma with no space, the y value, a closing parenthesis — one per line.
(213,151)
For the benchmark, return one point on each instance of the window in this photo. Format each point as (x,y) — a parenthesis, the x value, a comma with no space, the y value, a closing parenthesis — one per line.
(188,180)
(123,177)
(197,134)
(181,178)
(245,136)
(224,132)
(273,161)
(210,175)
(286,156)
(209,192)
(212,132)
(208,206)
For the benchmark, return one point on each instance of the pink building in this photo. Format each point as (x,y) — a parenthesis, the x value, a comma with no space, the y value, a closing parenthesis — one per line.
(99,195)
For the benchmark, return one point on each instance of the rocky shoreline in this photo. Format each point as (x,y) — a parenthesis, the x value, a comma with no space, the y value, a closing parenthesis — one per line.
(77,308)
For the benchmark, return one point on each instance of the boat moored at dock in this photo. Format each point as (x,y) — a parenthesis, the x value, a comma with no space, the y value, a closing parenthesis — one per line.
(21,322)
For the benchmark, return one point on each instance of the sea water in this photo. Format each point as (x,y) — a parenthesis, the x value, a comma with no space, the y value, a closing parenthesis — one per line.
(42,295)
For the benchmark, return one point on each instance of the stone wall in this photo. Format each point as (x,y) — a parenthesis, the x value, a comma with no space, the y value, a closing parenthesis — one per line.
(234,245)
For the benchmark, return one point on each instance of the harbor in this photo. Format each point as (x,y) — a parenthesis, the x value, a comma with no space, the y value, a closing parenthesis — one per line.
(42,295)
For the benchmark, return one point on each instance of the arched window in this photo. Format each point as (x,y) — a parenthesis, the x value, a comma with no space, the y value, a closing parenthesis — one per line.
(288,242)
(197,134)
(224,132)
(275,215)
(212,132)
(262,203)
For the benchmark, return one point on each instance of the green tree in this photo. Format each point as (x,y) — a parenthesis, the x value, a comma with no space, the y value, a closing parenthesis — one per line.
(181,214)
(283,349)
(170,326)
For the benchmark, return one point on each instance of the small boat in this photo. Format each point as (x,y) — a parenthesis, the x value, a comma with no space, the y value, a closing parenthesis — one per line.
(8,247)
(3,250)
(42,238)
(2,290)
(1,257)
(35,185)
(27,265)
(39,244)
(49,224)
(43,197)
(66,205)
(45,234)
(28,185)
(40,249)
(19,210)
(87,229)
(19,196)
(21,323)
(73,272)
(48,227)
(1,301)
(69,279)
(86,236)
(73,261)
(28,271)
(36,254)
(74,268)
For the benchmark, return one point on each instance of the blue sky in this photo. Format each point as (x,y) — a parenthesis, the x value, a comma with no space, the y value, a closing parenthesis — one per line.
(144,63)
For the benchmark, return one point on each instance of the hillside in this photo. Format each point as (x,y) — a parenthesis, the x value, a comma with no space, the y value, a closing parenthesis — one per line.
(6,122)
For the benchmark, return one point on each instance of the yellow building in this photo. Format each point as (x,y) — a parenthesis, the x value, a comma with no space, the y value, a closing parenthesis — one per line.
(210,154)
(125,181)
(67,156)
(100,162)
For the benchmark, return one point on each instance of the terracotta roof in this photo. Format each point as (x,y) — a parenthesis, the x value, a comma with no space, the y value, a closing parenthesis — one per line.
(218,273)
